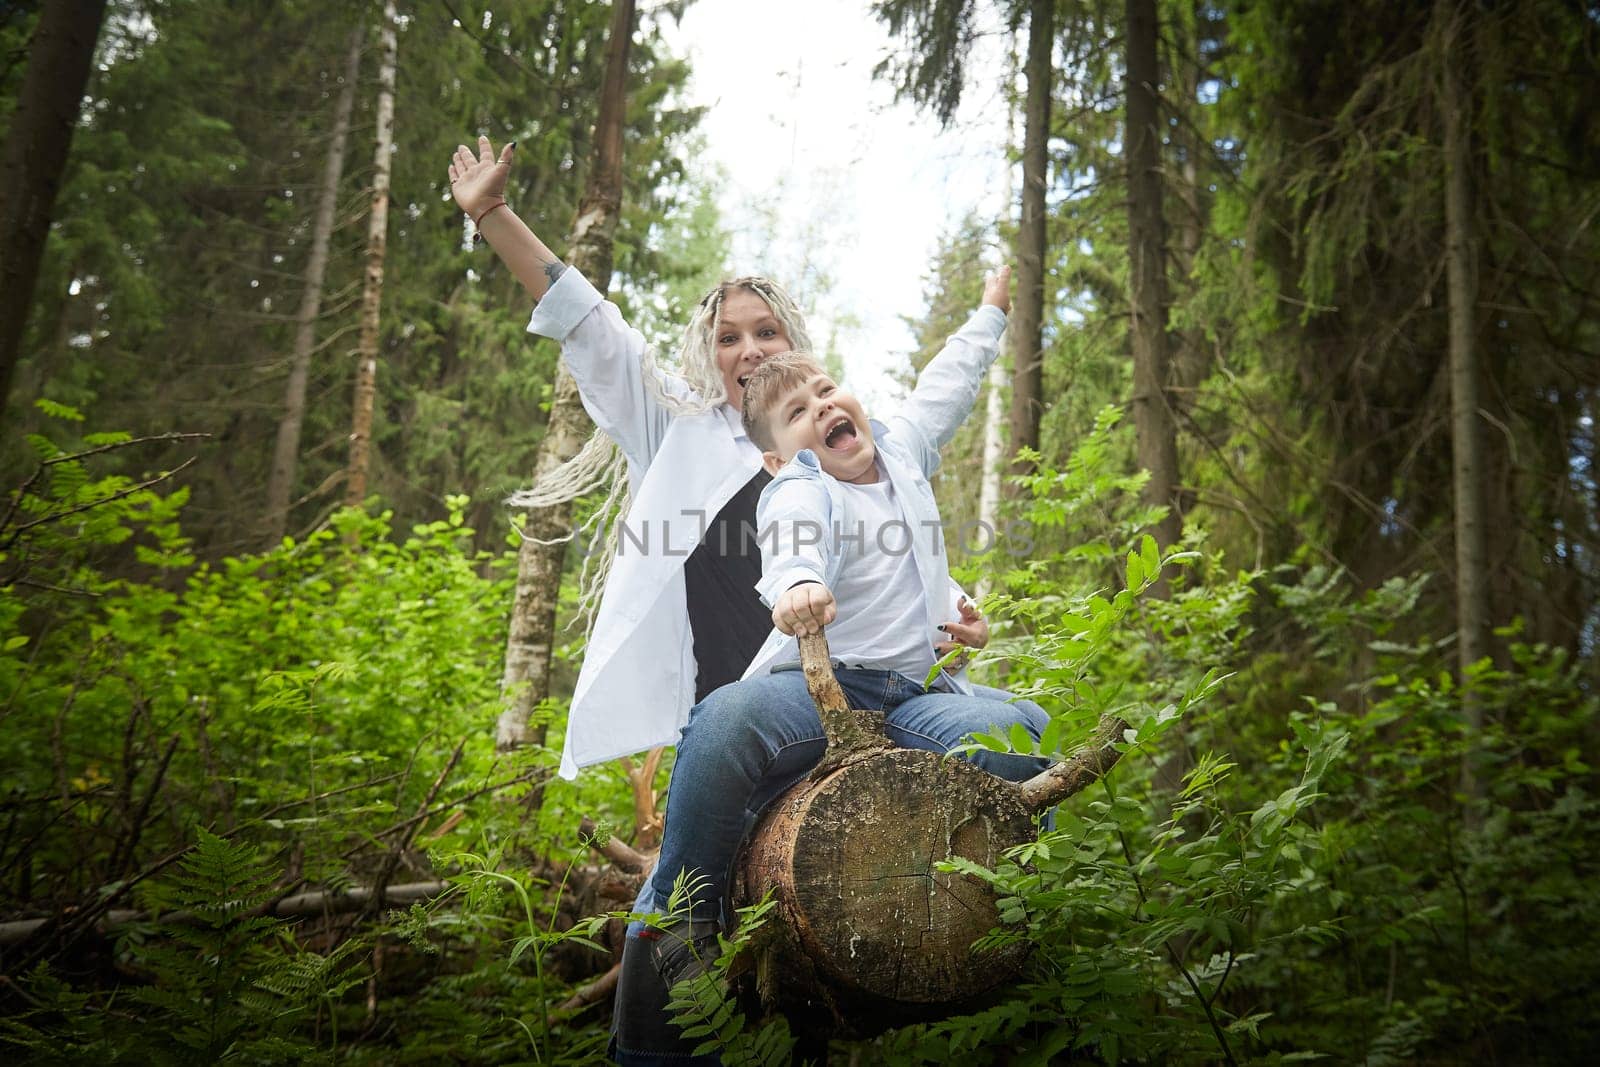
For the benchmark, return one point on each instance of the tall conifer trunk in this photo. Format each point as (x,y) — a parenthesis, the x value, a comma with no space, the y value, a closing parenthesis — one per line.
(531,633)
(35,155)
(372,291)
(285,453)
(1191,360)
(1027,323)
(994,413)
(1472,590)
(1152,412)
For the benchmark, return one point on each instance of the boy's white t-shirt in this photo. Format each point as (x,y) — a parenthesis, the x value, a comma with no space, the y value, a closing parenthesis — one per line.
(882,622)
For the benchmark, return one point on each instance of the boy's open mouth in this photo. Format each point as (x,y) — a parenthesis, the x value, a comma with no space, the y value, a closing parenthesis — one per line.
(840,435)
(743,381)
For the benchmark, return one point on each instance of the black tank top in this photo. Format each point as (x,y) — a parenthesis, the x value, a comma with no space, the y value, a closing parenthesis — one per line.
(727,618)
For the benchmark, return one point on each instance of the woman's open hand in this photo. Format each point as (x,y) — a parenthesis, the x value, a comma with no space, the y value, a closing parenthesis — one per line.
(970,634)
(478,182)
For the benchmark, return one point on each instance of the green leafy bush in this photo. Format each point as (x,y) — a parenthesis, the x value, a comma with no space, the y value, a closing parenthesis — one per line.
(1283,866)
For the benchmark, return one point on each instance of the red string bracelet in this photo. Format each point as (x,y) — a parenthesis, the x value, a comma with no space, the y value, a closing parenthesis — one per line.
(477,222)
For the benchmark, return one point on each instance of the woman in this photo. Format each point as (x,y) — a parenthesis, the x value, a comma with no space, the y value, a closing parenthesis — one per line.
(678,615)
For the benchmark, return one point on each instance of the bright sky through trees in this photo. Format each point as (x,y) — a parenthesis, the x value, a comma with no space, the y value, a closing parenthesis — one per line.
(829,180)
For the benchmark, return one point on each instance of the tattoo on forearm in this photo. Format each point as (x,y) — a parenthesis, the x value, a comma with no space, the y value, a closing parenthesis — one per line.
(554,269)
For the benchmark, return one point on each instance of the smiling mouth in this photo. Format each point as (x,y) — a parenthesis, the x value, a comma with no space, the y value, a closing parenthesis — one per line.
(743,380)
(840,435)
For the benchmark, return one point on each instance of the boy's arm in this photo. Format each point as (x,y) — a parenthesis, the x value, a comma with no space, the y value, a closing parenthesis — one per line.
(792,520)
(948,386)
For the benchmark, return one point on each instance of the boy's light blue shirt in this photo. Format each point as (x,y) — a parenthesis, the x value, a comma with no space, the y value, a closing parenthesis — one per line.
(908,446)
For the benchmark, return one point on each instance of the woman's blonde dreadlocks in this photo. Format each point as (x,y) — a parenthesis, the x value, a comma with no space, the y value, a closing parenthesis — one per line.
(600,463)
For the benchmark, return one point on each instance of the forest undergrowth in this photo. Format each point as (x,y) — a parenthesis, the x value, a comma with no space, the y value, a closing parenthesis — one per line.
(252,811)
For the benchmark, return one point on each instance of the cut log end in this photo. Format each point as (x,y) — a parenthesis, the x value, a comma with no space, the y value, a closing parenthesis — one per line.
(853,862)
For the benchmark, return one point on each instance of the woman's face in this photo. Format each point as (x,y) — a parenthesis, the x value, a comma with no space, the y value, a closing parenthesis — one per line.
(746,333)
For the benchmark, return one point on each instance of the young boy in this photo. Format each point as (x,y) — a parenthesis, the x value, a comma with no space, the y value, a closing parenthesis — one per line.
(851,533)
(850,519)
(850,530)
(850,540)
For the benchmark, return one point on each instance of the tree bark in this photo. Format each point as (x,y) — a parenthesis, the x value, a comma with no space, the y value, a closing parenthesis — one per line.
(530,636)
(1191,361)
(993,458)
(994,404)
(1472,591)
(1027,324)
(59,57)
(285,453)
(871,928)
(1152,410)
(372,292)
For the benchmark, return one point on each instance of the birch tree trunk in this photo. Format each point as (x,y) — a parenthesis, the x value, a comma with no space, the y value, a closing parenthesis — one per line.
(1472,591)
(285,453)
(1027,325)
(994,414)
(36,147)
(993,446)
(531,634)
(372,291)
(1157,444)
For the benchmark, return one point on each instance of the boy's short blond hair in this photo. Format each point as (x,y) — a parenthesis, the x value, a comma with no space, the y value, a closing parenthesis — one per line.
(772,378)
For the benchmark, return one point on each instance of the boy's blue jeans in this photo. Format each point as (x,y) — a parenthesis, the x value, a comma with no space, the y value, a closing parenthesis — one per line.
(743,746)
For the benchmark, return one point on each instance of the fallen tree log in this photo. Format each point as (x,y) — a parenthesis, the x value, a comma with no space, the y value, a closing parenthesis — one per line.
(872,933)
(318,902)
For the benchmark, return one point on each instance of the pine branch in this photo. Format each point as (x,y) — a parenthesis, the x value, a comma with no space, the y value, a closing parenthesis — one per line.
(174,436)
(490,48)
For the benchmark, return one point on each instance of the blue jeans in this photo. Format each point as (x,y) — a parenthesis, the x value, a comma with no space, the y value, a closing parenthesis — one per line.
(748,742)
(744,745)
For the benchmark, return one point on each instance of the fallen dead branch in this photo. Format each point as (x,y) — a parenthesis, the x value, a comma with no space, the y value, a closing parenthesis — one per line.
(73,924)
(318,902)
(601,988)
(616,850)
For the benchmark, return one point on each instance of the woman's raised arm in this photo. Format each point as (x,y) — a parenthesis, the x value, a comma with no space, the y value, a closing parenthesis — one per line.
(479,185)
(602,352)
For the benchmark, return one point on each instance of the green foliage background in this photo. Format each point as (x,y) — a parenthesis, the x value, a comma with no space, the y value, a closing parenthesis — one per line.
(195,726)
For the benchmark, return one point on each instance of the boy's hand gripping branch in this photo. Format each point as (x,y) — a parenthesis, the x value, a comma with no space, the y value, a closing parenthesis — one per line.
(970,634)
(804,609)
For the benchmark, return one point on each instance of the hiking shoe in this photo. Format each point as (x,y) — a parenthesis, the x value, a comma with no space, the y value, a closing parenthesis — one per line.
(682,950)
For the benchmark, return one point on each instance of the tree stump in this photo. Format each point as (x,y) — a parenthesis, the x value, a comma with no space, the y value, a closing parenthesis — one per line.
(871,932)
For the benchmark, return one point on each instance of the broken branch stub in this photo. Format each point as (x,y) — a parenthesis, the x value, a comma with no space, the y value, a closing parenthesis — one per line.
(852,733)
(1061,780)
